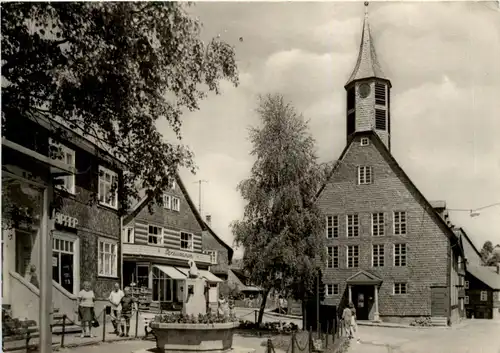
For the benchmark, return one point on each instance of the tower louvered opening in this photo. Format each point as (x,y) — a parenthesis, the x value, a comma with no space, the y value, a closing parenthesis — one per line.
(351,122)
(380,94)
(380,119)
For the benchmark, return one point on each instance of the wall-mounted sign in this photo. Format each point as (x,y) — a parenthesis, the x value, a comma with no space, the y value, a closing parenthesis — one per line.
(54,261)
(65,220)
(145,250)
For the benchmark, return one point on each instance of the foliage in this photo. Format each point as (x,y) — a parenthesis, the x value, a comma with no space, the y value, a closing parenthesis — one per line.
(13,326)
(490,255)
(421,321)
(274,327)
(180,318)
(111,71)
(230,291)
(281,230)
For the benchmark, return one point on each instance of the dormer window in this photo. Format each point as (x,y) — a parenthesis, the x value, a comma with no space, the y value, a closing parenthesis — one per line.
(66,155)
(365,141)
(167,202)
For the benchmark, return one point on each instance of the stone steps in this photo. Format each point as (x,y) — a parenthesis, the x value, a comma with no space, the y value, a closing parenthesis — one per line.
(439,321)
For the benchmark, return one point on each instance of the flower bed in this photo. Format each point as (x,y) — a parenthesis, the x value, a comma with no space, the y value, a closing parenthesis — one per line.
(178,332)
(271,327)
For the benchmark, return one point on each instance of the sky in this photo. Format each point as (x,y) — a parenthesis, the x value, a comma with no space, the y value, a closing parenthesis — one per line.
(443,59)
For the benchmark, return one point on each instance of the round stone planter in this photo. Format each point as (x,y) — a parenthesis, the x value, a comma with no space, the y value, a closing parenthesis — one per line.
(193,337)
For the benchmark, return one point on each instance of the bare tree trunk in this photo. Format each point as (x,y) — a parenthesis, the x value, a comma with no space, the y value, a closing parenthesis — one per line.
(263,306)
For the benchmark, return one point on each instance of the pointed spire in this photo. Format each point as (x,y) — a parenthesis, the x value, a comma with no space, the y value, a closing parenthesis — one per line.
(367,64)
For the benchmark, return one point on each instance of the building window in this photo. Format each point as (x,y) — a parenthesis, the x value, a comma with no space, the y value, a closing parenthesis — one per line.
(399,255)
(187,241)
(332,289)
(332,259)
(108,256)
(380,119)
(365,175)
(128,235)
(378,224)
(466,300)
(167,202)
(380,94)
(400,288)
(176,204)
(163,289)
(484,295)
(213,256)
(352,225)
(332,226)
(67,156)
(365,141)
(155,235)
(466,285)
(351,122)
(63,262)
(378,255)
(400,223)
(108,183)
(352,256)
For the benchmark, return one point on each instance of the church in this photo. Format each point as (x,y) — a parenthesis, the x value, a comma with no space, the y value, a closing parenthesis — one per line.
(389,250)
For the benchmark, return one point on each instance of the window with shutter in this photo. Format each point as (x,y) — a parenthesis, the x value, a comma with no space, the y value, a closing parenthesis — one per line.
(380,119)
(380,94)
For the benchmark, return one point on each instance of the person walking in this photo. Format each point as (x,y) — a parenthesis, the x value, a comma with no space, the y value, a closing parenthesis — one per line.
(86,299)
(354,323)
(129,306)
(115,298)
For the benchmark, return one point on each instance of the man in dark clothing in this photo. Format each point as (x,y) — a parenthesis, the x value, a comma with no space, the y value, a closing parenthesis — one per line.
(129,304)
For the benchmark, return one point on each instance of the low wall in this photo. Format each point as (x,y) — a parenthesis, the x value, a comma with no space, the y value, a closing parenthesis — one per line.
(193,337)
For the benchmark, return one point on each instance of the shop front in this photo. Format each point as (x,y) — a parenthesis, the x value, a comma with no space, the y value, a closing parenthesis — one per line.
(158,275)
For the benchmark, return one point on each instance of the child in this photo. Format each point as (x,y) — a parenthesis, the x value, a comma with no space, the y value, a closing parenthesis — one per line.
(129,306)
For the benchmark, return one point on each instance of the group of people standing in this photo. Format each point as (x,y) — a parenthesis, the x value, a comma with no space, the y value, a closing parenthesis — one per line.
(122,306)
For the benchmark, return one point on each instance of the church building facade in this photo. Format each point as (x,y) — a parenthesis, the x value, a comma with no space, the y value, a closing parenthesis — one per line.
(388,251)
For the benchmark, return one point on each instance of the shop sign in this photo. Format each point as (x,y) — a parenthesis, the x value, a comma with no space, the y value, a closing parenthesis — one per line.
(135,249)
(65,220)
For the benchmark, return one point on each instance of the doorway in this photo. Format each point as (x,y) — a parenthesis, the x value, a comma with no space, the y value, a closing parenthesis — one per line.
(65,266)
(362,298)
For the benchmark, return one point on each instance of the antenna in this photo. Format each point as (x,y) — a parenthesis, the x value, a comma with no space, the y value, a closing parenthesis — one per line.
(199,194)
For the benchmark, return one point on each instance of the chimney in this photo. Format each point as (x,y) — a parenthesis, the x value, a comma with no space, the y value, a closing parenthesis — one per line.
(208,219)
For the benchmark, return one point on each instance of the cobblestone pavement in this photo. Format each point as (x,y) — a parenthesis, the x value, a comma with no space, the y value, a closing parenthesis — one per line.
(472,336)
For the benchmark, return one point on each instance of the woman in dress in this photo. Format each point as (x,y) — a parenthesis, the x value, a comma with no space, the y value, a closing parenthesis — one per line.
(86,300)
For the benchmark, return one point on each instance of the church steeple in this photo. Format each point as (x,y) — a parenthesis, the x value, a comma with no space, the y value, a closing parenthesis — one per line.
(368,111)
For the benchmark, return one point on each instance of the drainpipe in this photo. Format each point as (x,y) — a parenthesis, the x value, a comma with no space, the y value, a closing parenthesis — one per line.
(121,251)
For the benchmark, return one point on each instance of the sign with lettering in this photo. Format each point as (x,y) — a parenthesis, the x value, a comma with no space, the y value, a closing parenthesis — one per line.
(65,220)
(157,251)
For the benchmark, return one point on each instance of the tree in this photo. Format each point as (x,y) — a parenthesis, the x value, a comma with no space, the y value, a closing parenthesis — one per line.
(281,230)
(489,255)
(110,71)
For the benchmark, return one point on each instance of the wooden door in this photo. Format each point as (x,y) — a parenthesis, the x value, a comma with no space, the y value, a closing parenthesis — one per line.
(440,302)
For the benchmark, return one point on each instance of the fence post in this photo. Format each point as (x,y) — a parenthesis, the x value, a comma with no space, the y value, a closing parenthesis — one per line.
(293,342)
(255,314)
(269,346)
(28,336)
(63,330)
(136,322)
(104,326)
(310,339)
(327,333)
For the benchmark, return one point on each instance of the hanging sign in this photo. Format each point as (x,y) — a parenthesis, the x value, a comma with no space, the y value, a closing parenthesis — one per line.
(54,261)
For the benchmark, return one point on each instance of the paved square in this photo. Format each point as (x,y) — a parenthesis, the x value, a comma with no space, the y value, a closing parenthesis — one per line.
(471,336)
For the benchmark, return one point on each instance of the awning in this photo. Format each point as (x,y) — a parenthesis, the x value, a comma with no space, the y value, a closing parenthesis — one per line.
(171,272)
(209,276)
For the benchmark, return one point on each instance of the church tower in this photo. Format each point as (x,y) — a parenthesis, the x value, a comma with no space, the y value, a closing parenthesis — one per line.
(368,92)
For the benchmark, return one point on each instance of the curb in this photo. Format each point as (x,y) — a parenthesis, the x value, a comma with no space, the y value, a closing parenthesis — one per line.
(95,343)
(373,324)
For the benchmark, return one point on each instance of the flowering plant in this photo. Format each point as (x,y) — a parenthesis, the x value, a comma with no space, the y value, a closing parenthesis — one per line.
(193,319)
